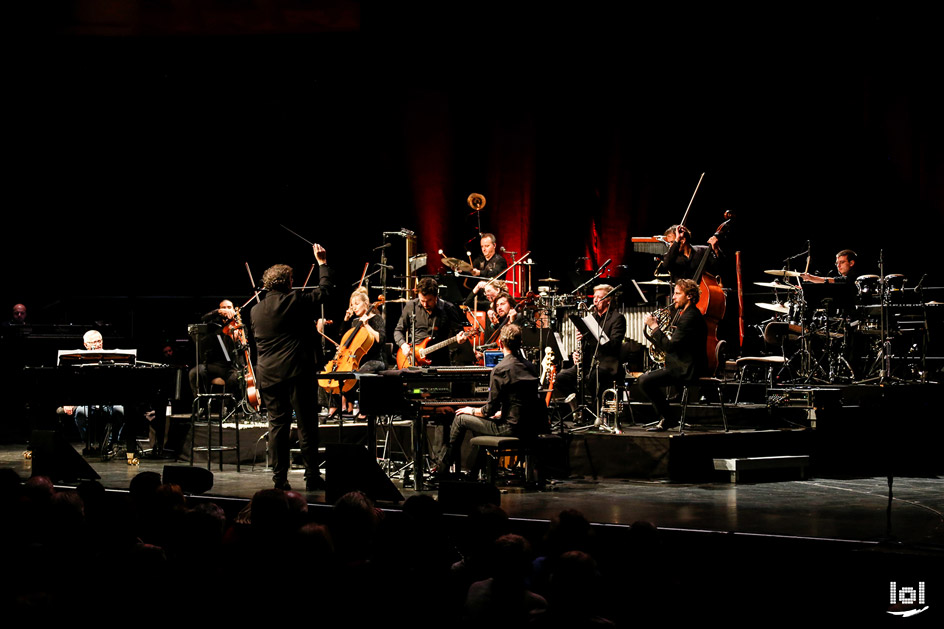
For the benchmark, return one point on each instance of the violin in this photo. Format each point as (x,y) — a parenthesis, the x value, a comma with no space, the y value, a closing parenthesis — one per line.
(235,329)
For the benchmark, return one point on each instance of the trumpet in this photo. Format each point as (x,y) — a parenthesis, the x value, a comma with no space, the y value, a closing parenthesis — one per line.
(664,317)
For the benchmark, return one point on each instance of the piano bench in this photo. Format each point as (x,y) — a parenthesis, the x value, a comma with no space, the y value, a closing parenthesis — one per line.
(533,452)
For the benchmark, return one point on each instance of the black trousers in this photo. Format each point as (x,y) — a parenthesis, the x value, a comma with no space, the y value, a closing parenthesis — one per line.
(653,385)
(297,394)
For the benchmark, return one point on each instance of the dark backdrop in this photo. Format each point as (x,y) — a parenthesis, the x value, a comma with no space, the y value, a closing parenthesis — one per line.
(156,158)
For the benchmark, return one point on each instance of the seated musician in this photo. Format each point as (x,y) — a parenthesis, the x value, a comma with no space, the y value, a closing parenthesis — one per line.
(373,324)
(217,353)
(502,313)
(435,319)
(613,325)
(683,258)
(513,407)
(111,417)
(845,266)
(490,263)
(685,354)
(484,294)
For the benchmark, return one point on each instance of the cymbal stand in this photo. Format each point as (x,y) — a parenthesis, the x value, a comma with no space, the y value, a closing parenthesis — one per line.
(883,360)
(837,360)
(806,372)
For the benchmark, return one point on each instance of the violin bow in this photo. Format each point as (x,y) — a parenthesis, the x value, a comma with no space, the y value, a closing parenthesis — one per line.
(252,283)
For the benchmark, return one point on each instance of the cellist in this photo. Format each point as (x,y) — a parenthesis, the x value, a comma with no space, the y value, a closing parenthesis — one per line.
(361,312)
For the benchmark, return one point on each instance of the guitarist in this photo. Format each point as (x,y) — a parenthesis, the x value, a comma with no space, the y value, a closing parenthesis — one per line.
(436,320)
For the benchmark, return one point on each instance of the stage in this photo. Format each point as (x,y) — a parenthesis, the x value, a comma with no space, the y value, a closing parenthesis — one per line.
(866,508)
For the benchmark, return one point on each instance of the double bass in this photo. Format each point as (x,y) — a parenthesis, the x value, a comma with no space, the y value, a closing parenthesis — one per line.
(711,299)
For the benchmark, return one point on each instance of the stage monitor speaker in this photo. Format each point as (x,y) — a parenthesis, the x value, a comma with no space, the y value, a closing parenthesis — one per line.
(464,497)
(192,480)
(55,458)
(350,467)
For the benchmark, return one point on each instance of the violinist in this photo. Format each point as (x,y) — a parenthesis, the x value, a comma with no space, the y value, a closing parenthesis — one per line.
(217,352)
(685,356)
(485,294)
(683,258)
(502,314)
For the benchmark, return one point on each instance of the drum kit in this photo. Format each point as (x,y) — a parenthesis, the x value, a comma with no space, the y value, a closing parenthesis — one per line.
(841,332)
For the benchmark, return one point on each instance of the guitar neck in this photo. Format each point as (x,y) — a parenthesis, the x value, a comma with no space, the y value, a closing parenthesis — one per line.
(440,345)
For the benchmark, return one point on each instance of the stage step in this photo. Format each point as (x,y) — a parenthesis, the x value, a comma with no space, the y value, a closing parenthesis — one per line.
(736,466)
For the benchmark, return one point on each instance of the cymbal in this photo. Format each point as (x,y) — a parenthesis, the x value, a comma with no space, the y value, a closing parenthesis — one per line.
(654,283)
(774,307)
(782,273)
(457,265)
(400,300)
(776,285)
(549,279)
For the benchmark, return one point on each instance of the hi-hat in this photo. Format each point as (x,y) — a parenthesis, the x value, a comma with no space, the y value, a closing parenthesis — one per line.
(549,279)
(655,283)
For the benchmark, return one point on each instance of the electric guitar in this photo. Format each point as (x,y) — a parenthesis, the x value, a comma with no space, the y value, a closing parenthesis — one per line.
(417,357)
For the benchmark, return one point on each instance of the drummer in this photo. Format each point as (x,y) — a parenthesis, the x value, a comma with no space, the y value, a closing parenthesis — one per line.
(490,263)
(845,265)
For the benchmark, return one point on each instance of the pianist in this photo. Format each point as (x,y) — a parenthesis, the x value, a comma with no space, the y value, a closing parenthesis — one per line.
(513,407)
(110,416)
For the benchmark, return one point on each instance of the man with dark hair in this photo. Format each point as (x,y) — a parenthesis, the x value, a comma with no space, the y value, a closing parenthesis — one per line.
(503,313)
(685,355)
(286,367)
(845,265)
(683,258)
(513,407)
(435,319)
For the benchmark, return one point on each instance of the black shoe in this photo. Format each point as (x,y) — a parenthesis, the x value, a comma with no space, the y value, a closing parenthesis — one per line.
(315,483)
(282,484)
(662,426)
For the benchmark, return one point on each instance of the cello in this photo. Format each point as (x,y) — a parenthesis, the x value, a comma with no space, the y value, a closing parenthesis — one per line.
(354,345)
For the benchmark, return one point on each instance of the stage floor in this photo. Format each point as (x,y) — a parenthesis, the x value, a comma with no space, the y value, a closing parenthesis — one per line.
(849,509)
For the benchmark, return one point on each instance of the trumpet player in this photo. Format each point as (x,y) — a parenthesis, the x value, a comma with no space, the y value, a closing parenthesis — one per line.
(613,325)
(684,347)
